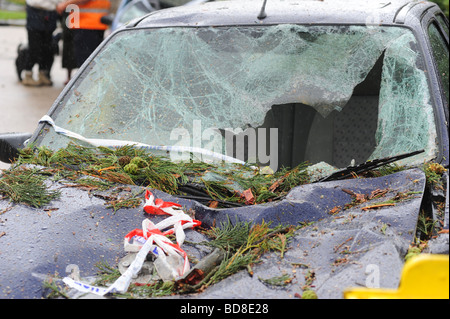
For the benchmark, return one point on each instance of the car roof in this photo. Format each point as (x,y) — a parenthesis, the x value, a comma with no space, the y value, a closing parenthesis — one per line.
(239,12)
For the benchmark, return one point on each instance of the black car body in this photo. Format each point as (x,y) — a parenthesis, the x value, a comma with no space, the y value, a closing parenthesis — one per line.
(211,63)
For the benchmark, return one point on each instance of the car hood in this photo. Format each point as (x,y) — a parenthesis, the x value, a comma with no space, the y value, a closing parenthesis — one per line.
(81,229)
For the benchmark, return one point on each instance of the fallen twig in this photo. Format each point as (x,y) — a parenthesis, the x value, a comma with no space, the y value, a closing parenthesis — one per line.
(339,246)
(377,206)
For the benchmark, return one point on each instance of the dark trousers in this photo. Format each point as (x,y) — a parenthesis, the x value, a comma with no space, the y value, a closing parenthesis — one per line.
(41,50)
(40,27)
(85,42)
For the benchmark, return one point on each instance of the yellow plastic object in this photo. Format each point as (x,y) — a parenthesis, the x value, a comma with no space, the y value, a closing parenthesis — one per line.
(424,276)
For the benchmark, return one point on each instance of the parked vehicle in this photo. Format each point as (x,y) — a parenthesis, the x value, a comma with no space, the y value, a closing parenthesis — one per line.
(132,9)
(327,120)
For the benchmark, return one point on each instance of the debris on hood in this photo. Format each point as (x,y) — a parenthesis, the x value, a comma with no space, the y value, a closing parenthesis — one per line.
(230,186)
(325,228)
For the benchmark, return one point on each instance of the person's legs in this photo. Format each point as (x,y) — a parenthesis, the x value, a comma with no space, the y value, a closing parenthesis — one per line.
(69,76)
(46,58)
(34,53)
(40,27)
(68,54)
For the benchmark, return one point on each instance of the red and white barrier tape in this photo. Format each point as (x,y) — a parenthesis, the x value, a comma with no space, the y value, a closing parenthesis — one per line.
(151,238)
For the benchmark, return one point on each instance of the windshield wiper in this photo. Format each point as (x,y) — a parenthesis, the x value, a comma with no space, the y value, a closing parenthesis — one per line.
(367,166)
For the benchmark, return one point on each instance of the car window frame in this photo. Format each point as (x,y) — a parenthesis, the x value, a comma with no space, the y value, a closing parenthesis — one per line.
(441,107)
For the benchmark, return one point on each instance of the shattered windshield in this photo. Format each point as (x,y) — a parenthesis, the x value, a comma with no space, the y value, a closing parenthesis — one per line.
(271,95)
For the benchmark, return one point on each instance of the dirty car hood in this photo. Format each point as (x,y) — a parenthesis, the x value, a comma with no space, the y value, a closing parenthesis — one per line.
(79,229)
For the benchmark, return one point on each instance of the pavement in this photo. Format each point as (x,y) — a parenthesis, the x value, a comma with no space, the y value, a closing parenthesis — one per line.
(21,107)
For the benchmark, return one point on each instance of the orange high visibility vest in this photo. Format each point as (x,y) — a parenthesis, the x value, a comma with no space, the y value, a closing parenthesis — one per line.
(91,13)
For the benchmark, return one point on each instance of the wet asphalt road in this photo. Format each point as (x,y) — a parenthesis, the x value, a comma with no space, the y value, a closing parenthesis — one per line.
(21,107)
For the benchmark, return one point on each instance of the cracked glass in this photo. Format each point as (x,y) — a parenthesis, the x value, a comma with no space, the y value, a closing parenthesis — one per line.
(406,118)
(332,94)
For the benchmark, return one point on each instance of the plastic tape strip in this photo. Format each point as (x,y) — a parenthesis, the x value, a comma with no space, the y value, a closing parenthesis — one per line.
(118,143)
(178,220)
(122,283)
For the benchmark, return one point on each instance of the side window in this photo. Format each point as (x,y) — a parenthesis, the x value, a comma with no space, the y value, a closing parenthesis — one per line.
(443,23)
(440,53)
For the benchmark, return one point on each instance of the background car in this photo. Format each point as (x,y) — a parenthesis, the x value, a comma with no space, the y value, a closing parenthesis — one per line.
(131,9)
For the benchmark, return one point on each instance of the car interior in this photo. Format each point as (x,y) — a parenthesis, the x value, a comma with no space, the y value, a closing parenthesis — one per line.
(304,135)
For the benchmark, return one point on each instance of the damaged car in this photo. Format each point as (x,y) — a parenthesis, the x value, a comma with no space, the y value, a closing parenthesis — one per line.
(237,149)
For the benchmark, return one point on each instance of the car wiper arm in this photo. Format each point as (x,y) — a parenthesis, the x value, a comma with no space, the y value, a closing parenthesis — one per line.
(367,166)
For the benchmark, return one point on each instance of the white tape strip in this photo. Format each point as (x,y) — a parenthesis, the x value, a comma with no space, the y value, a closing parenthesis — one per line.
(80,286)
(121,285)
(123,282)
(118,143)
